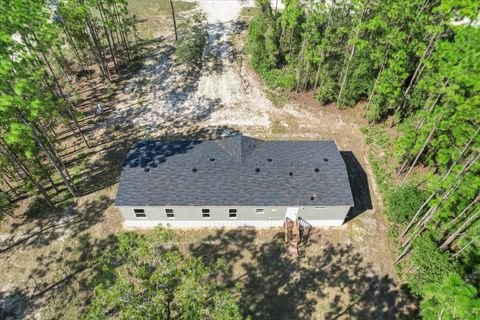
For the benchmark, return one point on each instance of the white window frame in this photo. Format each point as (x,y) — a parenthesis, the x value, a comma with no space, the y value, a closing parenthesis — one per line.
(259,210)
(167,213)
(143,212)
(235,213)
(209,213)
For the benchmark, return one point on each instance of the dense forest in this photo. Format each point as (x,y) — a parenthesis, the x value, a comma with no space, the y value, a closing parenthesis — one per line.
(414,66)
(44,47)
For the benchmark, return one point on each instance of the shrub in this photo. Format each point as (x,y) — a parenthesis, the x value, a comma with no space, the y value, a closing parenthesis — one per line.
(192,39)
(431,265)
(262,44)
(403,202)
(450,299)
(283,78)
(146,277)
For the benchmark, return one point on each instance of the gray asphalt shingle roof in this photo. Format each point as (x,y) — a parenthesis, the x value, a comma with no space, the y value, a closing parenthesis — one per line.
(238,170)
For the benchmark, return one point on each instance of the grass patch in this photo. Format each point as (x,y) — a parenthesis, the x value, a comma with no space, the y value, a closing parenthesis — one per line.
(278,99)
(154,15)
(249,12)
(380,156)
(278,127)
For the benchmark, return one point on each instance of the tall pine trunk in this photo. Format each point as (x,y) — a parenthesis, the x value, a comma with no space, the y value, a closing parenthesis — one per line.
(375,83)
(174,20)
(107,35)
(51,154)
(14,159)
(463,227)
(427,141)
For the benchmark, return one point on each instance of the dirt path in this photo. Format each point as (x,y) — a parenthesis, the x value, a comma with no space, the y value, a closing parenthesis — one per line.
(168,97)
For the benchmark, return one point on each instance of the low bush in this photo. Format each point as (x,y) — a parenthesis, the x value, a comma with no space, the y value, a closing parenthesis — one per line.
(262,45)
(192,39)
(450,299)
(430,264)
(403,202)
(280,78)
(147,277)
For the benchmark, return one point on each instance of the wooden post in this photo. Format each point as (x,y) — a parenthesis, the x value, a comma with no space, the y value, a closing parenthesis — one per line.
(174,22)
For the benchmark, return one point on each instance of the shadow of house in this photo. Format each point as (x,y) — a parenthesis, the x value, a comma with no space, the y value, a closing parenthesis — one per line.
(146,154)
(149,154)
(359,185)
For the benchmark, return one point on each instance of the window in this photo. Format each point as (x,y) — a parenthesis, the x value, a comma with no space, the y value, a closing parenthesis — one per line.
(259,211)
(205,213)
(232,213)
(139,213)
(169,213)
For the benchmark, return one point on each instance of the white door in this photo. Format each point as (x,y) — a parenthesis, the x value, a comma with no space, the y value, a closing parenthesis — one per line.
(292,213)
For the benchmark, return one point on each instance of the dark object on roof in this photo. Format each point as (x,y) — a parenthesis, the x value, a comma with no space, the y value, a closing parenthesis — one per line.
(296,172)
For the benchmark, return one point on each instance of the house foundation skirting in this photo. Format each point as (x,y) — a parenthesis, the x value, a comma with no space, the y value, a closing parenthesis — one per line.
(224,224)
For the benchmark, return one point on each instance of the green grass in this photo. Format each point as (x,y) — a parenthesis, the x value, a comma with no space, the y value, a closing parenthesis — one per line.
(249,12)
(278,98)
(154,15)
(380,156)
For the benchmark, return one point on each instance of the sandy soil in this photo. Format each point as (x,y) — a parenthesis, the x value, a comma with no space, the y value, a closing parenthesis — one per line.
(222,93)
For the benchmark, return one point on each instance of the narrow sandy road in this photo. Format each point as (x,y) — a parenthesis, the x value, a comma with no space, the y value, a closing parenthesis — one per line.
(168,97)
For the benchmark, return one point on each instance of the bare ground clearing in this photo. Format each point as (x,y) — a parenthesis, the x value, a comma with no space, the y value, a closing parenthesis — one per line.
(48,256)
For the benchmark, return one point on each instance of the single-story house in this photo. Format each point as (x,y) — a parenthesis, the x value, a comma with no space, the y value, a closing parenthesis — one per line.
(233,182)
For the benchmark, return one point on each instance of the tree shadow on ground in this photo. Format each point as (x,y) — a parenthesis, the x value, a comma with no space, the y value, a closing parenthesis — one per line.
(64,255)
(160,88)
(329,281)
(75,266)
(359,185)
(105,162)
(12,305)
(220,49)
(47,224)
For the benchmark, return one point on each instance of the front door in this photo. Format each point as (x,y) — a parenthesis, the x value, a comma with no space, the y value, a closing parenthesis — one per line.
(292,213)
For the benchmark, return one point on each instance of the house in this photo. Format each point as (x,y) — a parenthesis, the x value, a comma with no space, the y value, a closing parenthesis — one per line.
(233,182)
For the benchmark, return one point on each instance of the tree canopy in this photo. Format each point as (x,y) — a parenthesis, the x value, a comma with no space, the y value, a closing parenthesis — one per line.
(146,277)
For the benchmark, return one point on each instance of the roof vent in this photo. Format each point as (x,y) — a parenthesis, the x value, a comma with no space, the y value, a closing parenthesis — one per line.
(194,169)
(269,160)
(257,170)
(325,159)
(146,169)
(212,159)
(316,170)
(290,174)
(313,196)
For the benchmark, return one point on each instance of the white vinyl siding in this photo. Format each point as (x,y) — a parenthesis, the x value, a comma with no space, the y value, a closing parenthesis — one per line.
(245,216)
